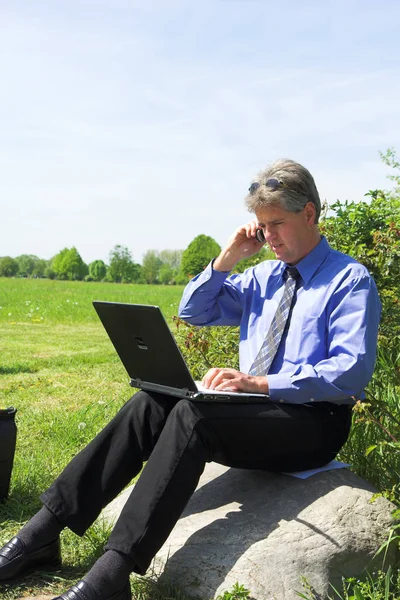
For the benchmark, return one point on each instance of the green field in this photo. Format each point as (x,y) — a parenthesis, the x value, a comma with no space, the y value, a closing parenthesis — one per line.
(46,301)
(59,369)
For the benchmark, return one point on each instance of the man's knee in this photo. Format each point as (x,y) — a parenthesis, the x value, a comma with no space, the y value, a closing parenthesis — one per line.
(187,416)
(149,407)
(186,410)
(140,407)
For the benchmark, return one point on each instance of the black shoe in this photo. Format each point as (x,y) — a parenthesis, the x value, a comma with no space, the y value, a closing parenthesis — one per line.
(16,560)
(84,591)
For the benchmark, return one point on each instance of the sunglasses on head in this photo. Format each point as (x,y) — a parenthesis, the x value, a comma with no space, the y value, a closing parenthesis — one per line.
(273,183)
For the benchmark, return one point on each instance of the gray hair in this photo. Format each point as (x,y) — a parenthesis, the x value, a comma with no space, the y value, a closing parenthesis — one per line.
(297,187)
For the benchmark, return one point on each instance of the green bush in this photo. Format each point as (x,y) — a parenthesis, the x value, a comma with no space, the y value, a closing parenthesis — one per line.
(370,232)
(207,347)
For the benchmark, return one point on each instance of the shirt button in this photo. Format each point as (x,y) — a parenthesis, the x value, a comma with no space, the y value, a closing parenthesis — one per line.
(312,400)
(281,400)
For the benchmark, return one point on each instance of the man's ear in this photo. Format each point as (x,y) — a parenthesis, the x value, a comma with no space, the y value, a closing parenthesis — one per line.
(310,212)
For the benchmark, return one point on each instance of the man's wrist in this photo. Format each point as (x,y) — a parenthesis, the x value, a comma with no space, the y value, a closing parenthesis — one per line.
(262,383)
(224,262)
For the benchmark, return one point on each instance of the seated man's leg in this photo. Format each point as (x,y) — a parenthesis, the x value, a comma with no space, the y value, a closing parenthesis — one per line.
(254,436)
(108,463)
(258,436)
(94,477)
(268,436)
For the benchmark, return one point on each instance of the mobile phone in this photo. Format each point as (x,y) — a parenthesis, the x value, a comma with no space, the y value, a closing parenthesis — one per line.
(260,236)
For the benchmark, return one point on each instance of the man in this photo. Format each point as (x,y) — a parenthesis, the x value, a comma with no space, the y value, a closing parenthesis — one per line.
(308,332)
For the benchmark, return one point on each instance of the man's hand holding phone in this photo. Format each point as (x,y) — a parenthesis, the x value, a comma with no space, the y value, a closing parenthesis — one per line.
(246,241)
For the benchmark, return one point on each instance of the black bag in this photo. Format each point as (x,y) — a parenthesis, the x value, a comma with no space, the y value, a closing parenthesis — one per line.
(8,438)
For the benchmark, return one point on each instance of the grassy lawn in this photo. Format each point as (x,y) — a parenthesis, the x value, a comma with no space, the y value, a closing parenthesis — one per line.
(59,369)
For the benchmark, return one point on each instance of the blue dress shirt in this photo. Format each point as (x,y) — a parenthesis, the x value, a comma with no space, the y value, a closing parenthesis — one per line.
(328,352)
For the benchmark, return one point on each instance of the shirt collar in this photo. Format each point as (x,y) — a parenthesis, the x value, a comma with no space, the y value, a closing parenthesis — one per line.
(310,263)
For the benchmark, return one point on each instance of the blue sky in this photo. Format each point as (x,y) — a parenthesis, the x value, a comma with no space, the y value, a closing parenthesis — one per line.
(142,124)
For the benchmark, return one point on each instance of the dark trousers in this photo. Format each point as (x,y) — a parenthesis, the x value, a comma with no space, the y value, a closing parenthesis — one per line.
(177,438)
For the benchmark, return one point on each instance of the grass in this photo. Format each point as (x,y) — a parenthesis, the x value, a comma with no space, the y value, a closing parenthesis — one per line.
(378,586)
(59,369)
(67,302)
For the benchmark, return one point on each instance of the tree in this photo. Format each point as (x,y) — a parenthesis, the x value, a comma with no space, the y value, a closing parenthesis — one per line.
(151,265)
(68,264)
(97,270)
(122,269)
(30,265)
(137,273)
(48,271)
(26,264)
(8,266)
(198,254)
(166,274)
(39,268)
(390,159)
(171,258)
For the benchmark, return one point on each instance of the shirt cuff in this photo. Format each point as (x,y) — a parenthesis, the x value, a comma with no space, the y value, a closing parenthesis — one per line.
(282,390)
(209,281)
(209,277)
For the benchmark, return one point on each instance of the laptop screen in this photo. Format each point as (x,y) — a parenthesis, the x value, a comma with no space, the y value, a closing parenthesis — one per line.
(145,344)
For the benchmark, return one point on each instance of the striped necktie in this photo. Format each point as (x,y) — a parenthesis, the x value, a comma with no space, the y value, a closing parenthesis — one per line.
(264,358)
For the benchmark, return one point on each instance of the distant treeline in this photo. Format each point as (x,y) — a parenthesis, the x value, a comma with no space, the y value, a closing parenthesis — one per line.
(166,267)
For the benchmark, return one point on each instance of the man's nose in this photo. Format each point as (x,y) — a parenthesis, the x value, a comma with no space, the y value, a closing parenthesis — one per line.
(268,234)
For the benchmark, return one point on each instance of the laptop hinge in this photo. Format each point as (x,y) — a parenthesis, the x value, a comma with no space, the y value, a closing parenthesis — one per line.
(162,389)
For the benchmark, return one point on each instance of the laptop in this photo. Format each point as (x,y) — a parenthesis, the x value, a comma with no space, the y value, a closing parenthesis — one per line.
(150,354)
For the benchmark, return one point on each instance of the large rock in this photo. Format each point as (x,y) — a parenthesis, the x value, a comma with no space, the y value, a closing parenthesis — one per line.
(267,531)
